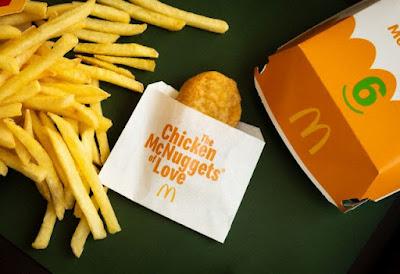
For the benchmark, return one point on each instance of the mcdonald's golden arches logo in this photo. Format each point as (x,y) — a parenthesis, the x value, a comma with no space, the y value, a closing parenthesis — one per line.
(168,189)
(313,127)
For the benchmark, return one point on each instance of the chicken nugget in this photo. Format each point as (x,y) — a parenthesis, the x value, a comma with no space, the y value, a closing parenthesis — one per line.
(213,94)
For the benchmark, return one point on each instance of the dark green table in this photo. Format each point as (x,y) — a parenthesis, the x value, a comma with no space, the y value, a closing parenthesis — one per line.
(284,225)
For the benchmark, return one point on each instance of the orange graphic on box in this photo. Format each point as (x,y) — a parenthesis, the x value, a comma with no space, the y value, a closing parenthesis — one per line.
(334,110)
(11,6)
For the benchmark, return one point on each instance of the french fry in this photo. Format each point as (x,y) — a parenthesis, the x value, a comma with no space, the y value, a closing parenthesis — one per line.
(84,94)
(6,137)
(96,36)
(36,8)
(28,122)
(9,64)
(9,32)
(108,13)
(82,113)
(46,229)
(32,89)
(112,77)
(75,182)
(101,136)
(88,172)
(81,233)
(73,75)
(191,19)
(43,159)
(34,172)
(3,169)
(145,15)
(89,143)
(10,110)
(56,10)
(48,29)
(99,11)
(87,137)
(138,63)
(22,153)
(105,65)
(49,103)
(73,123)
(41,135)
(104,124)
(21,60)
(19,18)
(53,92)
(128,50)
(114,27)
(33,70)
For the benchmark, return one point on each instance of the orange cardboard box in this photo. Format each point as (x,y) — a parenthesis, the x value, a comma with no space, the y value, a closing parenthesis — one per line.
(11,6)
(333,95)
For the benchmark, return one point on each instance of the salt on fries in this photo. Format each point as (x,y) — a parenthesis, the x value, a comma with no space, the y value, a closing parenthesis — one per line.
(52,128)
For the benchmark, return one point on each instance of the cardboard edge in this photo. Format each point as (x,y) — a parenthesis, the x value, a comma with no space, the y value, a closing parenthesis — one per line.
(290,147)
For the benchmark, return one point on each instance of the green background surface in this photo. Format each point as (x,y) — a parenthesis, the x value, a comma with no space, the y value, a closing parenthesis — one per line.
(284,224)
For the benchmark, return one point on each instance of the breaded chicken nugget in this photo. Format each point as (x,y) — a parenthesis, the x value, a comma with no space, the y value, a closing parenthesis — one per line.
(213,94)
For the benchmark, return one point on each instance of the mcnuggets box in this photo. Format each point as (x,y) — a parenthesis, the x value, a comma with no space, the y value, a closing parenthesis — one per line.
(333,96)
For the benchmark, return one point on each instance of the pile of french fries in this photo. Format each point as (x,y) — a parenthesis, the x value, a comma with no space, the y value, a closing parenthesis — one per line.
(52,128)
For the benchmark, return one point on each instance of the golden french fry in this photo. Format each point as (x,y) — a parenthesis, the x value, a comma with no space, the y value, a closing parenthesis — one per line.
(28,122)
(56,10)
(43,159)
(128,50)
(9,32)
(46,229)
(36,8)
(74,124)
(34,172)
(22,153)
(108,13)
(6,137)
(9,64)
(73,75)
(19,18)
(101,136)
(84,94)
(41,135)
(88,172)
(82,113)
(145,15)
(3,169)
(48,29)
(33,70)
(114,27)
(87,135)
(89,143)
(112,77)
(191,19)
(81,233)
(10,110)
(49,103)
(106,65)
(104,124)
(96,36)
(21,60)
(71,29)
(50,91)
(75,182)
(29,91)
(138,63)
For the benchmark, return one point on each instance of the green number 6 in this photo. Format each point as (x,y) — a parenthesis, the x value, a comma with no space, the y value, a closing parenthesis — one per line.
(372,85)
